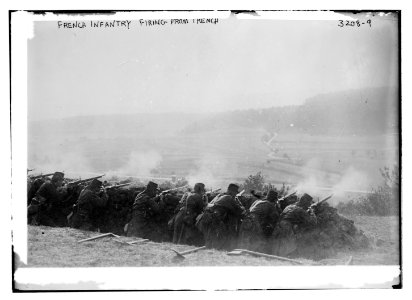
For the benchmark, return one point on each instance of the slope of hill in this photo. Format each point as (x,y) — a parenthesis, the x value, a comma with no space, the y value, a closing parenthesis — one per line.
(365,111)
(223,147)
(107,126)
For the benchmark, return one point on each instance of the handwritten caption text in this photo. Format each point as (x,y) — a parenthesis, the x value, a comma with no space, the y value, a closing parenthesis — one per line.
(127,24)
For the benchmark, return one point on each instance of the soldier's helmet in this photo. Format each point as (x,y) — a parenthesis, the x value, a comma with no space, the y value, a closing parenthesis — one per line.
(95,184)
(233,188)
(256,194)
(199,187)
(57,176)
(272,196)
(151,185)
(305,201)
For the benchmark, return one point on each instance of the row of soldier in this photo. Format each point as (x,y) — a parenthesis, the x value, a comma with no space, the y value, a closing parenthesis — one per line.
(218,220)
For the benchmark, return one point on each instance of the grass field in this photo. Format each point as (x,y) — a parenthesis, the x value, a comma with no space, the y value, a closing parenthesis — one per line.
(59,247)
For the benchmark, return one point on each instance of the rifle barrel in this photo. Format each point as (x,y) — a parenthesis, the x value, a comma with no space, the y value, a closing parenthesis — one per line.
(291,194)
(41,176)
(325,199)
(174,189)
(85,180)
(213,191)
(240,194)
(118,185)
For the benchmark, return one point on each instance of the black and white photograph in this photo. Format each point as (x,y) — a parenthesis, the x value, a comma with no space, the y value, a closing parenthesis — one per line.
(214,142)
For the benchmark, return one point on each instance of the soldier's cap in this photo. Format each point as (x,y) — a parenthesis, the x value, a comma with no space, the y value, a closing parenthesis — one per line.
(199,187)
(95,184)
(233,188)
(151,185)
(57,176)
(305,199)
(272,196)
(256,194)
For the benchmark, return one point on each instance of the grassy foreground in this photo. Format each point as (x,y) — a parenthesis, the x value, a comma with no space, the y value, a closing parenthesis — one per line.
(59,247)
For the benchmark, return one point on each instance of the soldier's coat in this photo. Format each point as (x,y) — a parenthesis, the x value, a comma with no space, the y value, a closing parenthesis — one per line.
(143,223)
(88,214)
(257,227)
(185,231)
(220,222)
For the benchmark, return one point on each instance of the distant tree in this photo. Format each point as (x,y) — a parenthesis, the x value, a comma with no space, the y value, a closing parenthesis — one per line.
(181,182)
(254,182)
(167,185)
(113,178)
(382,201)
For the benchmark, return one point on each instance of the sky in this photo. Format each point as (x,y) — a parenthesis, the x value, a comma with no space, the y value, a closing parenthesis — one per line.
(234,64)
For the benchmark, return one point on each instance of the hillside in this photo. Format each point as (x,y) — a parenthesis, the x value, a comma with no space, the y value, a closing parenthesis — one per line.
(108,126)
(364,111)
(224,147)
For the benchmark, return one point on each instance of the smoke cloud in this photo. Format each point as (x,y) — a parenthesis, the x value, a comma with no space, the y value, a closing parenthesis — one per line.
(53,158)
(350,183)
(139,164)
(209,171)
(352,180)
(313,179)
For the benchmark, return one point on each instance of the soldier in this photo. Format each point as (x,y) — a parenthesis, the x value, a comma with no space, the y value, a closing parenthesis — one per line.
(257,227)
(41,210)
(295,219)
(185,231)
(33,186)
(165,219)
(248,200)
(66,206)
(220,221)
(88,211)
(146,208)
(284,202)
(118,209)
(179,206)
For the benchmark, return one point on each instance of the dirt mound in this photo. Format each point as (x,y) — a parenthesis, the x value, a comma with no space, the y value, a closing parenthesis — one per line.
(332,233)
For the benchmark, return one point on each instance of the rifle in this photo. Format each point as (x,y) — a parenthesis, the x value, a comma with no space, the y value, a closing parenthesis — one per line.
(287,196)
(316,205)
(171,190)
(41,176)
(213,191)
(238,200)
(240,194)
(117,186)
(323,200)
(83,180)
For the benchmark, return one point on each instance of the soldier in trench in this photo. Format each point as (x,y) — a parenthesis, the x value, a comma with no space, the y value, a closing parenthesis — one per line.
(258,225)
(185,231)
(221,219)
(147,208)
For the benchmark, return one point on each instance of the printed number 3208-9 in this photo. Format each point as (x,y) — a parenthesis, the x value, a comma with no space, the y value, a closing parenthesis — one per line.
(356,23)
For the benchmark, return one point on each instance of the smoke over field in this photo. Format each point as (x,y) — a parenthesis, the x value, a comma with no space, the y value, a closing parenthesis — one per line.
(211,169)
(351,182)
(139,164)
(318,165)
